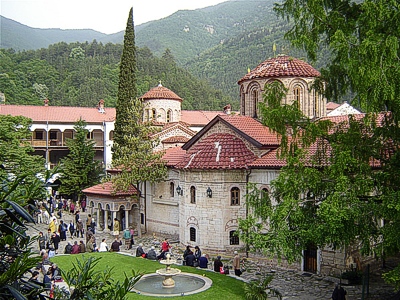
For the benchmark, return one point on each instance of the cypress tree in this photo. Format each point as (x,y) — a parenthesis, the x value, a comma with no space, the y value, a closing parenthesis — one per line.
(126,97)
(133,143)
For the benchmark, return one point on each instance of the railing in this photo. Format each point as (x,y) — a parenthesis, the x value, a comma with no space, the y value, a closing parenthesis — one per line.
(58,143)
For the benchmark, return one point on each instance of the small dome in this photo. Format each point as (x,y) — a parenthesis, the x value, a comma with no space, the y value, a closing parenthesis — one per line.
(281,66)
(160,92)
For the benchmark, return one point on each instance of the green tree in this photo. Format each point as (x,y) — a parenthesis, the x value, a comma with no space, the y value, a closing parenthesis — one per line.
(126,97)
(133,144)
(340,185)
(79,168)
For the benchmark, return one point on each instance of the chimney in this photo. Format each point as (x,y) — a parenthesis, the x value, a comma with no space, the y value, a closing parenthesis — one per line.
(100,106)
(46,102)
(227,109)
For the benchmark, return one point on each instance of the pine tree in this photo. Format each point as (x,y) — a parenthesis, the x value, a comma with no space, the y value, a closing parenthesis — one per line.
(133,144)
(79,168)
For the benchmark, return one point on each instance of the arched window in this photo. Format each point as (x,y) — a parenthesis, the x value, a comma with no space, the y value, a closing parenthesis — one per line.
(154,114)
(316,104)
(235,196)
(172,189)
(254,98)
(192,233)
(111,135)
(192,194)
(169,115)
(243,103)
(297,91)
(264,195)
(233,238)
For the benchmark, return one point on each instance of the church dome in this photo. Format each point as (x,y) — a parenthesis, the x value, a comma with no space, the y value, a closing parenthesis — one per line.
(160,92)
(281,66)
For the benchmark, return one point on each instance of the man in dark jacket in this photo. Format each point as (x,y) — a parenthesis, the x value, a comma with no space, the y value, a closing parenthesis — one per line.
(218,264)
(190,260)
(115,245)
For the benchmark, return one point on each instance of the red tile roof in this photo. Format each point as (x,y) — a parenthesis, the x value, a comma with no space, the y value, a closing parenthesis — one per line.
(60,114)
(199,117)
(253,129)
(175,139)
(173,155)
(160,92)
(217,151)
(281,66)
(107,188)
(331,106)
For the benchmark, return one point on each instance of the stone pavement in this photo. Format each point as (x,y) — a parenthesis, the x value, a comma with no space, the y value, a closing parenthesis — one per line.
(292,285)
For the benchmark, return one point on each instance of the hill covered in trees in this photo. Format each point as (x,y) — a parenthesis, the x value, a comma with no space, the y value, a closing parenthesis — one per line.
(80,74)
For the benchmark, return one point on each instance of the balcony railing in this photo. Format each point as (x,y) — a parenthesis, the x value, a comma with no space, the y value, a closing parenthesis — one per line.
(58,143)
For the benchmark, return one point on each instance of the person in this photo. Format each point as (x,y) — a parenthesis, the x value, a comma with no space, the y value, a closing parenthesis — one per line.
(71,229)
(77,216)
(140,251)
(55,239)
(93,225)
(203,262)
(339,293)
(116,244)
(116,227)
(79,228)
(47,279)
(165,247)
(89,245)
(52,225)
(68,248)
(75,248)
(236,264)
(82,248)
(152,255)
(62,229)
(197,253)
(127,238)
(218,264)
(52,252)
(55,272)
(132,234)
(89,221)
(190,260)
(72,207)
(186,253)
(48,238)
(42,241)
(103,246)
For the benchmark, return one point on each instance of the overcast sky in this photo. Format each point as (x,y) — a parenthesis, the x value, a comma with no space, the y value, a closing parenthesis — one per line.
(102,15)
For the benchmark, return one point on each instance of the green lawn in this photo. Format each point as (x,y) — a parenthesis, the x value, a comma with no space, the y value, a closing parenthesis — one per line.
(222,287)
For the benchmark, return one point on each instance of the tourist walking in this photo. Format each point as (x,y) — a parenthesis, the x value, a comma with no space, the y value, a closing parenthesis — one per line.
(116,228)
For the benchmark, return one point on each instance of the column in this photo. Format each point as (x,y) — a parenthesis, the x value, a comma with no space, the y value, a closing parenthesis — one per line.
(106,229)
(98,218)
(126,219)
(139,224)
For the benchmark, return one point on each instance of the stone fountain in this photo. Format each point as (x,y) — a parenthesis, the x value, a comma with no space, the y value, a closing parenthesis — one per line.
(168,272)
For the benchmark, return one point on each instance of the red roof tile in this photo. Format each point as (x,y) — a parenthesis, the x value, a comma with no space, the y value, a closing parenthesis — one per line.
(253,129)
(59,114)
(218,151)
(199,117)
(160,92)
(281,66)
(331,106)
(175,139)
(107,188)
(173,155)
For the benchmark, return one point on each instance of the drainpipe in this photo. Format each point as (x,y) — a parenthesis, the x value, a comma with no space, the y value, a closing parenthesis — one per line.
(47,146)
(104,144)
(247,209)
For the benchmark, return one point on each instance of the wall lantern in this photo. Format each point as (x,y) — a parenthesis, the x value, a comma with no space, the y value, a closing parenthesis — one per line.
(209,192)
(179,190)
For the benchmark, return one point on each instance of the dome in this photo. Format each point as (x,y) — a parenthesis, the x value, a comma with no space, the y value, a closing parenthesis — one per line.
(281,66)
(160,92)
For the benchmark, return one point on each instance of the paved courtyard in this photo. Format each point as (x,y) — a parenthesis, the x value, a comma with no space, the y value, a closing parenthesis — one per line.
(293,285)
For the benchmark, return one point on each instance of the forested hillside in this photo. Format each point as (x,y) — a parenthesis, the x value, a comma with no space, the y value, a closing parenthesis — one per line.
(80,74)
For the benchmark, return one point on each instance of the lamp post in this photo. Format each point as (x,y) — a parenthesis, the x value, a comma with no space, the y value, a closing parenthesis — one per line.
(179,190)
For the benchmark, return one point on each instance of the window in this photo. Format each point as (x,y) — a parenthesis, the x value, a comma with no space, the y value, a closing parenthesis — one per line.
(154,114)
(169,115)
(254,96)
(38,135)
(235,194)
(111,135)
(172,189)
(142,218)
(264,194)
(192,194)
(192,233)
(297,91)
(316,104)
(53,135)
(233,238)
